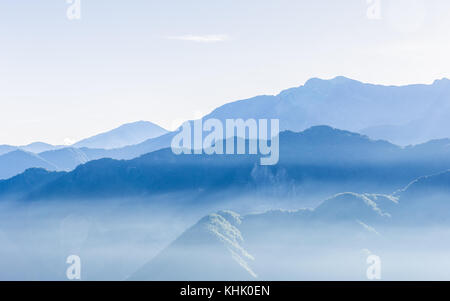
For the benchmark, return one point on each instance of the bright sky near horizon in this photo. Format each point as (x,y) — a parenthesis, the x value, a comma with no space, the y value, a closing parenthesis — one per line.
(173,60)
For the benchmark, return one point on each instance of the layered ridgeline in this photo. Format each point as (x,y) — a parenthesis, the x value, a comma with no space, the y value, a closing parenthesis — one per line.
(402,115)
(125,135)
(115,144)
(408,232)
(36,147)
(313,164)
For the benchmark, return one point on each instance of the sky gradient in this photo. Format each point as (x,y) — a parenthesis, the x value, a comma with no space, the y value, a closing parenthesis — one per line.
(168,61)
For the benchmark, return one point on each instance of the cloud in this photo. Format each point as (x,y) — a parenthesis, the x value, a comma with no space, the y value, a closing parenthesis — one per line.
(214,38)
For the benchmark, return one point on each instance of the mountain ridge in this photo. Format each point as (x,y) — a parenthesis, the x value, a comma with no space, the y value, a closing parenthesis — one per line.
(376,111)
(318,155)
(124,135)
(345,221)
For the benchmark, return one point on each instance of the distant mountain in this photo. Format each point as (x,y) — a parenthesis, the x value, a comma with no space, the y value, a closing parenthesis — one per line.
(36,147)
(39,147)
(127,134)
(315,163)
(64,159)
(67,158)
(18,161)
(131,151)
(402,115)
(373,110)
(4,149)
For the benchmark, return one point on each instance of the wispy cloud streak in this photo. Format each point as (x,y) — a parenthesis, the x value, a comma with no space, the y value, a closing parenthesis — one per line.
(201,38)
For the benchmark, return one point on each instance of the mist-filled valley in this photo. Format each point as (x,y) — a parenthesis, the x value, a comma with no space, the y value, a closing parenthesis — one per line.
(166,237)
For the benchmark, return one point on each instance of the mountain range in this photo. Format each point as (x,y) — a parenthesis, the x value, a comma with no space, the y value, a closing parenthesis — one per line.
(115,143)
(322,243)
(373,110)
(127,134)
(403,115)
(36,147)
(314,163)
(380,152)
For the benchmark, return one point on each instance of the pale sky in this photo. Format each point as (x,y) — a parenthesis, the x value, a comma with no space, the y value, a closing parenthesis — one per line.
(169,61)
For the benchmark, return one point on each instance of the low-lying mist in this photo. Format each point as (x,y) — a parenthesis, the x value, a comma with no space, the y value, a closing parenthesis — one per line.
(175,236)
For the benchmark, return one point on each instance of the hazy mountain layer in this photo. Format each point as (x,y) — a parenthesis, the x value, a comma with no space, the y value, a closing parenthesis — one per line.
(318,162)
(127,134)
(333,241)
(375,110)
(400,114)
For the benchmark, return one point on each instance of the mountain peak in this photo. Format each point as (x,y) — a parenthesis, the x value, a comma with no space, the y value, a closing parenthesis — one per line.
(338,80)
(442,81)
(137,123)
(39,147)
(326,131)
(124,135)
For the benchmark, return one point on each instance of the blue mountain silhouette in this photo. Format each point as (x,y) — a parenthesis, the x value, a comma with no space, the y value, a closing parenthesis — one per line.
(60,158)
(320,159)
(298,244)
(127,134)
(355,106)
(374,110)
